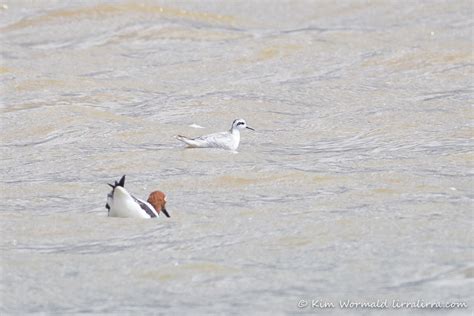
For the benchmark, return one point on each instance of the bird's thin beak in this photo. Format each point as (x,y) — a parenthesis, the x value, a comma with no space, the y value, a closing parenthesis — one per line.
(165,212)
(248,127)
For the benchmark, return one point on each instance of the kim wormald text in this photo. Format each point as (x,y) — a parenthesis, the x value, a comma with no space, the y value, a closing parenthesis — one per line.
(379,304)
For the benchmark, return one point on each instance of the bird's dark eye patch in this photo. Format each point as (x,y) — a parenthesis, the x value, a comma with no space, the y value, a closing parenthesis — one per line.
(240,123)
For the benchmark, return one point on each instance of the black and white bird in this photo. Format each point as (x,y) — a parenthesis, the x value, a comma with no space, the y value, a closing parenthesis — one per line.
(120,203)
(226,140)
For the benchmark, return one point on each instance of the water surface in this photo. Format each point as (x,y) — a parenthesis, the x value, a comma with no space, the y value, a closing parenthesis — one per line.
(356,185)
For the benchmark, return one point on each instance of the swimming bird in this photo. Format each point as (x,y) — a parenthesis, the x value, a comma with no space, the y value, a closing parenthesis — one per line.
(226,140)
(120,203)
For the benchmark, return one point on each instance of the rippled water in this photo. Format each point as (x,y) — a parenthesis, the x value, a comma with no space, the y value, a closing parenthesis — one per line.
(356,185)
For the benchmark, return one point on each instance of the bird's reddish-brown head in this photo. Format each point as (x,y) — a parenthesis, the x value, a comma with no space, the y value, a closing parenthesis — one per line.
(158,200)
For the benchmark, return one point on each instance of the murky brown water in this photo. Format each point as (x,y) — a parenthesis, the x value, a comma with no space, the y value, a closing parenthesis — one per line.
(356,185)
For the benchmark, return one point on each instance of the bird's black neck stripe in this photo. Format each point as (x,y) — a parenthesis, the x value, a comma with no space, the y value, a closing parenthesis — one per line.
(145,207)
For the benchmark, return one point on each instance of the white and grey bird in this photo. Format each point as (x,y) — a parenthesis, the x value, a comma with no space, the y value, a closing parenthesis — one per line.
(226,140)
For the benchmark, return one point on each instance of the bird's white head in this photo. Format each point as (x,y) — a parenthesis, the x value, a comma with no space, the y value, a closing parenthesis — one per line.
(240,124)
